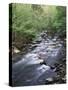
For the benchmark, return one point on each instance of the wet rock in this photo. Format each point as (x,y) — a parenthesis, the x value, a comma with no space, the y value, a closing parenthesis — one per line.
(49,79)
(43,68)
(15,50)
(56,78)
(64,79)
(59,45)
(61,42)
(38,40)
(64,59)
(46,42)
(57,69)
(49,49)
(54,70)
(54,40)
(42,55)
(34,42)
(43,63)
(44,35)
(33,46)
(60,65)
(40,61)
(52,67)
(56,64)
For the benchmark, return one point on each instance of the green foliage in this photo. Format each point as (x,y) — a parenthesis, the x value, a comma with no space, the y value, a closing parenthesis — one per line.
(28,20)
(60,21)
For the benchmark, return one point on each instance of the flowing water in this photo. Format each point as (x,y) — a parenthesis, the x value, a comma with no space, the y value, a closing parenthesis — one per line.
(35,67)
